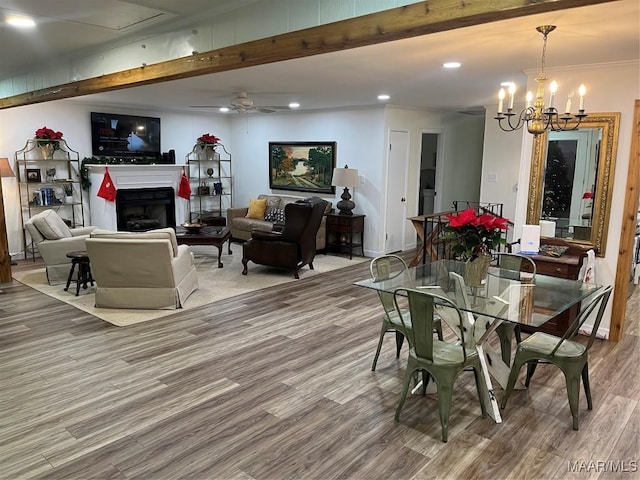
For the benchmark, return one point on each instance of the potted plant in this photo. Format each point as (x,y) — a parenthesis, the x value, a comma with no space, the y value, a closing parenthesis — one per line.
(472,238)
(67,187)
(207,144)
(47,140)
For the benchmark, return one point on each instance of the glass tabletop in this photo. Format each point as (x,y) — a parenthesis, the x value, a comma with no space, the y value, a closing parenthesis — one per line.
(517,297)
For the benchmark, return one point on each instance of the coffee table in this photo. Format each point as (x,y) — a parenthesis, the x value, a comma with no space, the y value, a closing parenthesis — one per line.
(215,236)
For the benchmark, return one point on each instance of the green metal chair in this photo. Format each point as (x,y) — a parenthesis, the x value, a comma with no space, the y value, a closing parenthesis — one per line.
(385,267)
(510,265)
(440,360)
(569,356)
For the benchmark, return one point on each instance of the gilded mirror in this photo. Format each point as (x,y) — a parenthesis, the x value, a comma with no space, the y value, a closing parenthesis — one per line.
(571,181)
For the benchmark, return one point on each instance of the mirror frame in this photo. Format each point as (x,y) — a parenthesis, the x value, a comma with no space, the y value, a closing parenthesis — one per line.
(610,124)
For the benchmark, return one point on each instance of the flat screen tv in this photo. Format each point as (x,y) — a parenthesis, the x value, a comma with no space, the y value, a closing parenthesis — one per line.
(117,135)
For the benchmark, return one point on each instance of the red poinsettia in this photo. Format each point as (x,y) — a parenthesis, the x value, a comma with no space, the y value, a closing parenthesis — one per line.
(473,234)
(45,133)
(208,139)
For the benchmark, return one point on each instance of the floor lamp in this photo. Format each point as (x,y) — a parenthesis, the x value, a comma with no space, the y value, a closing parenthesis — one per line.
(5,172)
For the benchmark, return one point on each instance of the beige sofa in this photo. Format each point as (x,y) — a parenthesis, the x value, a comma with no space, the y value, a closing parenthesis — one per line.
(241,226)
(146,270)
(54,239)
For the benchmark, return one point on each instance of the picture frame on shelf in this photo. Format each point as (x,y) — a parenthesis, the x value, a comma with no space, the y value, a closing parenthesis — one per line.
(302,166)
(34,175)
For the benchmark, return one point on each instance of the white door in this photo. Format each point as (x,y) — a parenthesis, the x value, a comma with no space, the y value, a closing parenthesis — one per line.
(396,210)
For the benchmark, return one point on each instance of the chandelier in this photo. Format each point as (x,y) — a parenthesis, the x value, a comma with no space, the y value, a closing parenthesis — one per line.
(539,118)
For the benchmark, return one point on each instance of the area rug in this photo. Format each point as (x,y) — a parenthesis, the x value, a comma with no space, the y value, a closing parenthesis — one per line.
(214,283)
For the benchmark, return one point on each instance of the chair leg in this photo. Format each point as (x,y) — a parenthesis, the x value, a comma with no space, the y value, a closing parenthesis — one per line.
(531,368)
(504,332)
(405,389)
(513,376)
(399,342)
(518,333)
(573,392)
(375,359)
(445,394)
(585,383)
(482,389)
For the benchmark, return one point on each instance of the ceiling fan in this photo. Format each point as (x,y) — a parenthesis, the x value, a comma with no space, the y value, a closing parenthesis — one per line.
(243,104)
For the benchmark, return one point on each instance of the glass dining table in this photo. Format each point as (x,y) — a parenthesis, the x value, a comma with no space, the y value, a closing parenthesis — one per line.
(505,296)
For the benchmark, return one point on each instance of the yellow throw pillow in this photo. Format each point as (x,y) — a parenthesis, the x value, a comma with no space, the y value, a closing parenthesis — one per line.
(257,208)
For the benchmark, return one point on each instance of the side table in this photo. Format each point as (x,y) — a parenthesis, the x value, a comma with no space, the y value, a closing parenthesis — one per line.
(345,233)
(81,259)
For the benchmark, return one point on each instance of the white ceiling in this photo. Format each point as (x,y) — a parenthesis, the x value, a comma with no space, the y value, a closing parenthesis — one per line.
(408,70)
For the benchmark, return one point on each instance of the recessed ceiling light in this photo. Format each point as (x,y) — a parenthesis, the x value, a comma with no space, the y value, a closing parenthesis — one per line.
(384,96)
(294,105)
(224,109)
(20,21)
(452,65)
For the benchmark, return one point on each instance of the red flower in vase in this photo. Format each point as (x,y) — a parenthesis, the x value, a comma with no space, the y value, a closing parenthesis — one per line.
(473,234)
(208,139)
(46,136)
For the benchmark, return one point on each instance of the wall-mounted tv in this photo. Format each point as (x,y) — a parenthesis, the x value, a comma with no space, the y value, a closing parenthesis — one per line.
(117,135)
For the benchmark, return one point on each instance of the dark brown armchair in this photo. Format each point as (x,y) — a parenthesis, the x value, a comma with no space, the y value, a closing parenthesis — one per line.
(295,245)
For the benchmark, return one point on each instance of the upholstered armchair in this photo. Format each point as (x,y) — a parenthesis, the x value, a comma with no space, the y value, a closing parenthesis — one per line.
(295,245)
(141,270)
(54,239)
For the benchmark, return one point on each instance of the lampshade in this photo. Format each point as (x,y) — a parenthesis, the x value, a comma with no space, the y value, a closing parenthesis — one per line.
(345,177)
(5,168)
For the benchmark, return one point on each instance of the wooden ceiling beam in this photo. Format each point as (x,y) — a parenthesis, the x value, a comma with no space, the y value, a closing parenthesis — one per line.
(403,22)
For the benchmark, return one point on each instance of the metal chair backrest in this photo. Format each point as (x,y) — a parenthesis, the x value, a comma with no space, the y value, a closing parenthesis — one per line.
(386,267)
(600,298)
(422,305)
(512,262)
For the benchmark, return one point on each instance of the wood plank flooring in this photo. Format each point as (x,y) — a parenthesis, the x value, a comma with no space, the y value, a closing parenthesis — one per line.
(278,384)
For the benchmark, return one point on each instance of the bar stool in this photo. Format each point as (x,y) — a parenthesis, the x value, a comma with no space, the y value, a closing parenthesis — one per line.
(81,259)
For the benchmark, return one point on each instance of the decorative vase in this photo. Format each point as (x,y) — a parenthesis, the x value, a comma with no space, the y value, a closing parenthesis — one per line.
(46,151)
(476,270)
(211,153)
(68,199)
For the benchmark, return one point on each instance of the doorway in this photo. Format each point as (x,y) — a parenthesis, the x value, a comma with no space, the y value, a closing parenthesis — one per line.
(428,173)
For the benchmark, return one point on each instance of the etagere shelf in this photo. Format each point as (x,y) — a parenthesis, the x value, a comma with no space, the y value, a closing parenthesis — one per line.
(209,172)
(48,175)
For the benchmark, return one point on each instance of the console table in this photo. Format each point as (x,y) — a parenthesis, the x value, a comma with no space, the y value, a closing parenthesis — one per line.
(567,266)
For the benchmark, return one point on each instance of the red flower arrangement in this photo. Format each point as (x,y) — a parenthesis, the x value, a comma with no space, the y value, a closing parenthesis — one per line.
(474,234)
(45,133)
(208,139)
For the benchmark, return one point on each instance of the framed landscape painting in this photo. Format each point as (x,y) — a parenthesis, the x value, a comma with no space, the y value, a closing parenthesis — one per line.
(302,166)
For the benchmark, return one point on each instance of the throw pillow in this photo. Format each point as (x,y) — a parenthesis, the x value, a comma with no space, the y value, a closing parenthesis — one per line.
(51,226)
(257,207)
(276,215)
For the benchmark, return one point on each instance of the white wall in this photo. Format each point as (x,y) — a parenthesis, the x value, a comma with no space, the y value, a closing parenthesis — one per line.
(610,88)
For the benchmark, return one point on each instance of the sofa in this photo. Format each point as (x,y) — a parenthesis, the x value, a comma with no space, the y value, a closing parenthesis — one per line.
(54,239)
(141,270)
(242,226)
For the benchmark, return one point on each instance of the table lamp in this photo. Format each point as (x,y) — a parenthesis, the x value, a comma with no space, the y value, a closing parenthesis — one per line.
(345,177)
(5,172)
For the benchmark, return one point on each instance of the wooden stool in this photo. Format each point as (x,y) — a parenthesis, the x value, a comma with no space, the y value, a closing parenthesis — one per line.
(81,259)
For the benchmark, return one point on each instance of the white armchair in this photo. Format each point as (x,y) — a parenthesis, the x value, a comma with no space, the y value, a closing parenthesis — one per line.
(54,239)
(146,270)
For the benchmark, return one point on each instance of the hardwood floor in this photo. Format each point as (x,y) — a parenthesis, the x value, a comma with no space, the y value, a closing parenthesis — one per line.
(278,384)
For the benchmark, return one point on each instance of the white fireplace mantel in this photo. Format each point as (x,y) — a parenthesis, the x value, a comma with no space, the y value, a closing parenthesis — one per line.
(103,213)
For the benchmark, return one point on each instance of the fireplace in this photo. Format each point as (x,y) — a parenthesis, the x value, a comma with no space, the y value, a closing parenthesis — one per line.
(141,209)
(133,177)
